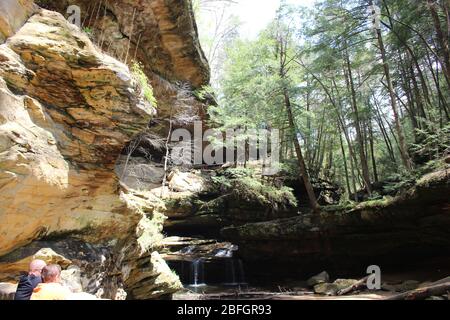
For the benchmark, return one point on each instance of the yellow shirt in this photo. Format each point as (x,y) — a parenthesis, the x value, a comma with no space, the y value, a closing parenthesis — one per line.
(50,291)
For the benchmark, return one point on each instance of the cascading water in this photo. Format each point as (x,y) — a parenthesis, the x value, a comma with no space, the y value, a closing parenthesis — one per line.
(226,252)
(197,273)
(234,272)
(210,265)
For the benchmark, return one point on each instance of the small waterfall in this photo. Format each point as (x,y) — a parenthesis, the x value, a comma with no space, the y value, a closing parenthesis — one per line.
(224,253)
(234,272)
(210,264)
(197,273)
(241,271)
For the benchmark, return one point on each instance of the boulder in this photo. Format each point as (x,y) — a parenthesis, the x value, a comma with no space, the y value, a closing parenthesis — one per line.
(51,257)
(15,267)
(185,181)
(7,291)
(331,289)
(322,277)
(71,278)
(139,173)
(328,289)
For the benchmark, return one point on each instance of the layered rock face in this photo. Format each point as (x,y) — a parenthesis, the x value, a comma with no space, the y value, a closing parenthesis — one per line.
(162,36)
(67,109)
(66,112)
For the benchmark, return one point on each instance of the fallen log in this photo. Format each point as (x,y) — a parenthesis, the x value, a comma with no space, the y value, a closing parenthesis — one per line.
(423,293)
(353,287)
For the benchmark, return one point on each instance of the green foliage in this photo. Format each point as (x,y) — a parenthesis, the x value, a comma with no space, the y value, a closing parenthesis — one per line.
(88,31)
(249,188)
(430,166)
(435,141)
(245,186)
(327,46)
(204,92)
(143,83)
(398,183)
(237,173)
(221,181)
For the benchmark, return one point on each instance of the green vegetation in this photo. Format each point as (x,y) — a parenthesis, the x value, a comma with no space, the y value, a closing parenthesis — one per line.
(143,83)
(361,105)
(243,184)
(89,32)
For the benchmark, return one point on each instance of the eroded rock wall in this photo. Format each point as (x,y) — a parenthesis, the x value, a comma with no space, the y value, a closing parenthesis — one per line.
(162,36)
(66,112)
(67,109)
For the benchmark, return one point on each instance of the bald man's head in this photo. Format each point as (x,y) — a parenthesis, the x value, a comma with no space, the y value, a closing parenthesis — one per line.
(51,273)
(36,267)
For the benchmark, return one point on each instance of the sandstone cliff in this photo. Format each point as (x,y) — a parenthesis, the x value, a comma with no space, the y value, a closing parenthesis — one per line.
(162,35)
(67,109)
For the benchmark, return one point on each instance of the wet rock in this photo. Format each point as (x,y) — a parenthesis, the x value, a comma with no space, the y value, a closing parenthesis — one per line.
(408,285)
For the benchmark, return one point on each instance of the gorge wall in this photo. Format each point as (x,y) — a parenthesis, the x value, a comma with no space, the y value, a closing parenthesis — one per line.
(67,110)
(407,231)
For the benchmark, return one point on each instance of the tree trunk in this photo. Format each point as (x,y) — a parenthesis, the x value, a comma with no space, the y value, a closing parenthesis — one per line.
(398,126)
(282,55)
(359,137)
(344,159)
(298,150)
(442,39)
(423,293)
(372,153)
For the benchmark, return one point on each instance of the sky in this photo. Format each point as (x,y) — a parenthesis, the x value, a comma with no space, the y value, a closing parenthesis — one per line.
(256,14)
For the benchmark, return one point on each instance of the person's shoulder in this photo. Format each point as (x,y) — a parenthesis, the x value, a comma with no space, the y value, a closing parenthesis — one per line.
(24,278)
(34,280)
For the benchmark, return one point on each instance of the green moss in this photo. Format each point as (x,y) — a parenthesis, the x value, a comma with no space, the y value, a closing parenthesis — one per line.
(143,83)
(378,203)
(243,185)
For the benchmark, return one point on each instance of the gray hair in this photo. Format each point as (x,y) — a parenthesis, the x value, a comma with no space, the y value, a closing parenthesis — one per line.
(51,273)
